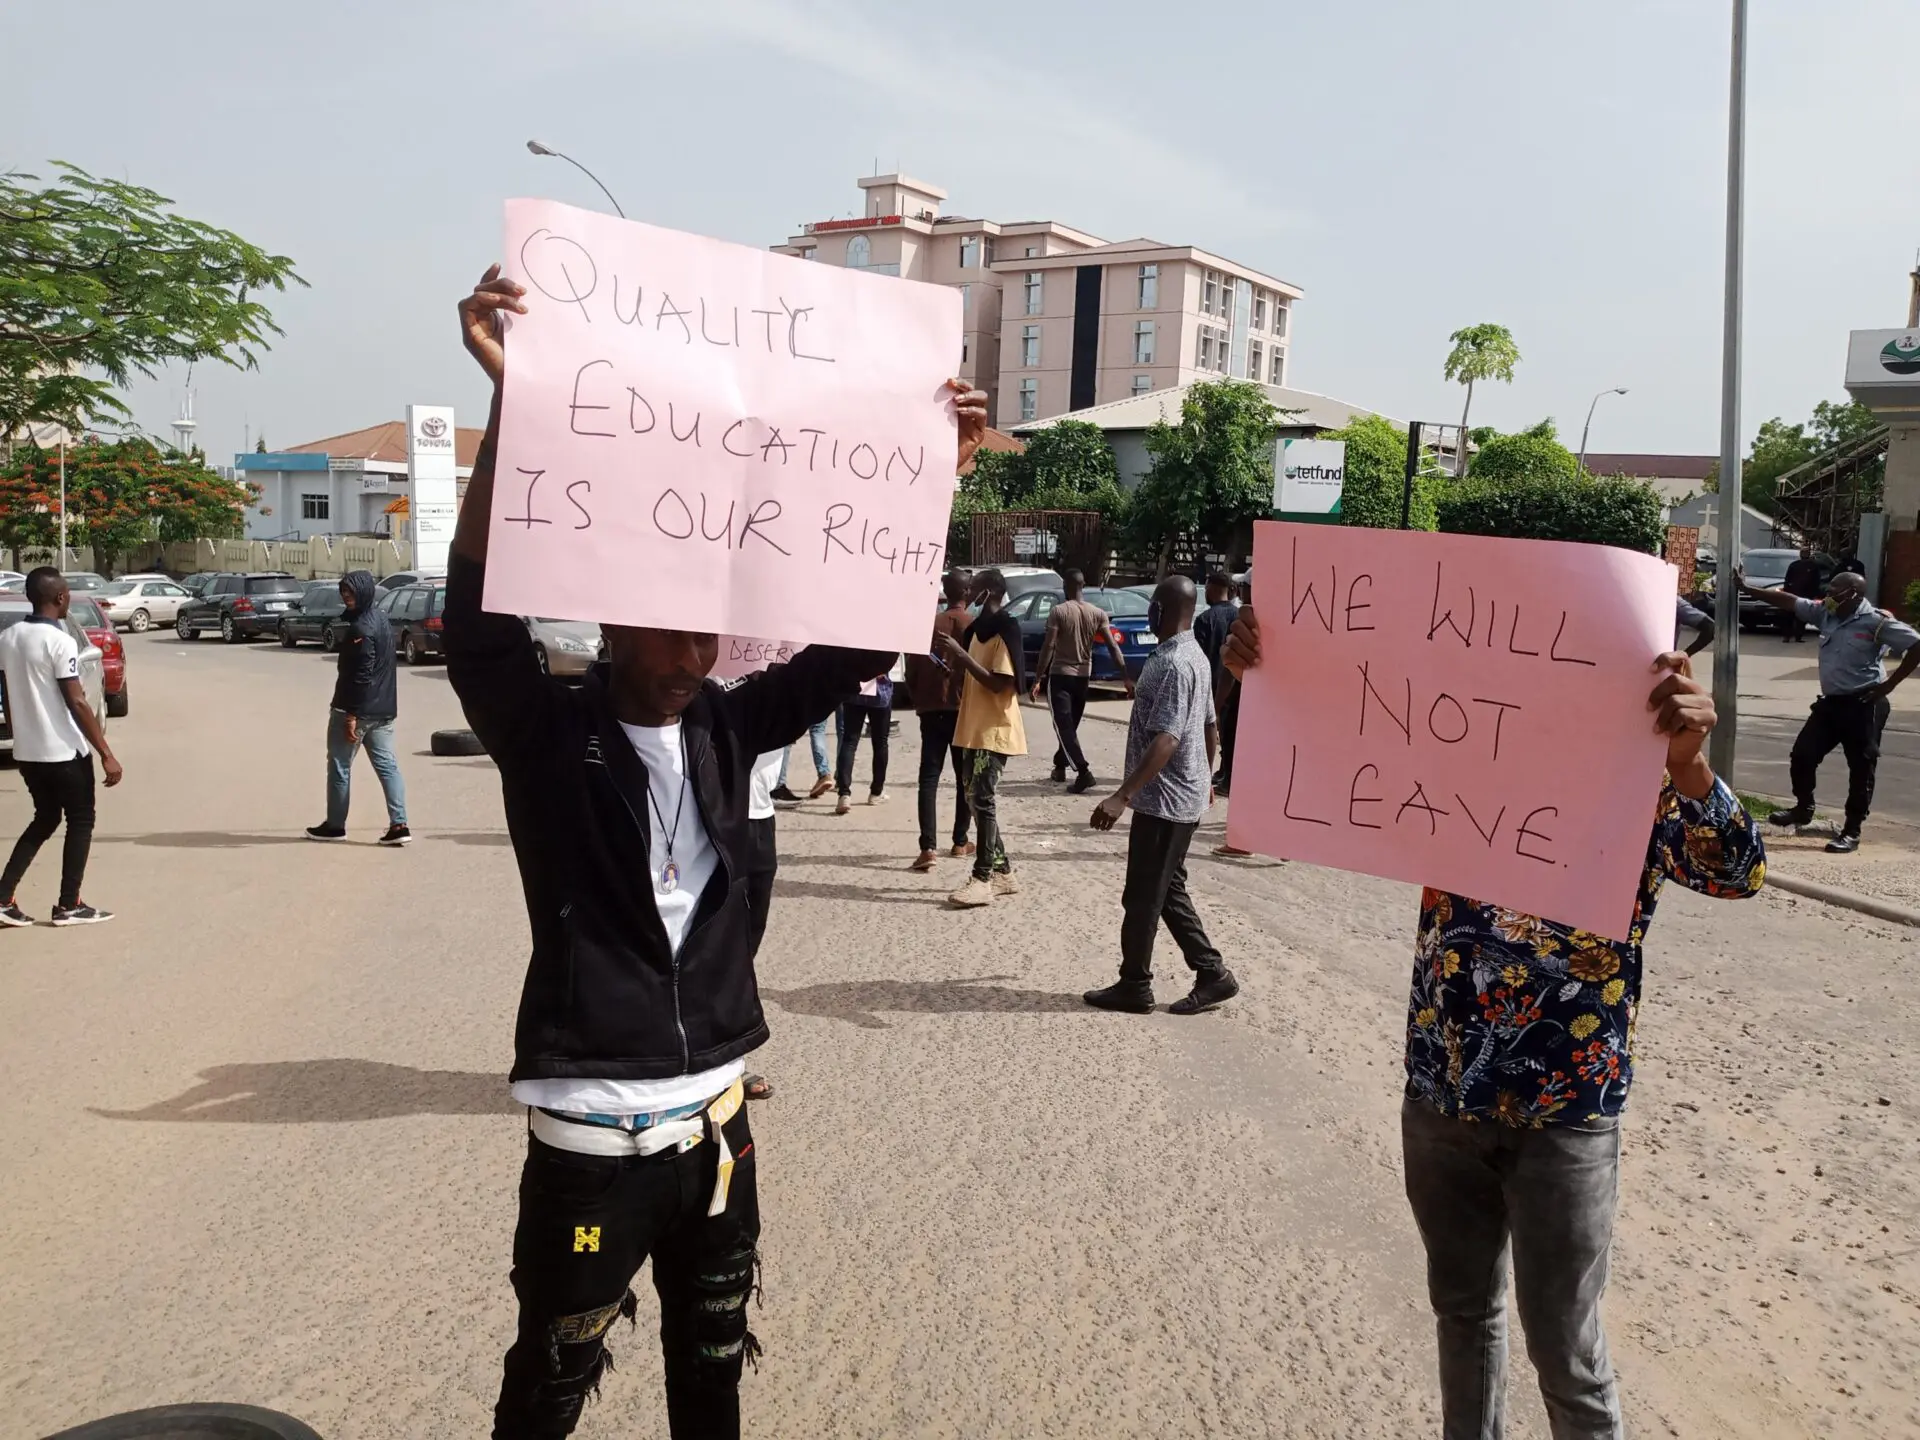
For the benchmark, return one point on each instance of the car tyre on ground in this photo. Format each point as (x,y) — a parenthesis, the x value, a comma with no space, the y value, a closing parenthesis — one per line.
(411,649)
(540,659)
(227,632)
(286,637)
(193,1422)
(329,639)
(117,704)
(184,630)
(140,622)
(456,742)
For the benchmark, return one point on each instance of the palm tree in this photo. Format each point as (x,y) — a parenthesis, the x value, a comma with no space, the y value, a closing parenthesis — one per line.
(1480,352)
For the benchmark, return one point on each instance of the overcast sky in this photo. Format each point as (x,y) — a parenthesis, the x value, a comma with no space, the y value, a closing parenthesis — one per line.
(1557,167)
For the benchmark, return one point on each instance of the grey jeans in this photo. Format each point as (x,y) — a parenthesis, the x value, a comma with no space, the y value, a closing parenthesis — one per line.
(1480,1188)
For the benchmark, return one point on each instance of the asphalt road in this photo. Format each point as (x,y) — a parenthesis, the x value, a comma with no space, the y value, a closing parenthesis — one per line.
(258,1145)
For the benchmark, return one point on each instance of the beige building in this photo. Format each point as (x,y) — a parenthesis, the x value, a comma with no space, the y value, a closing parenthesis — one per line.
(1057,319)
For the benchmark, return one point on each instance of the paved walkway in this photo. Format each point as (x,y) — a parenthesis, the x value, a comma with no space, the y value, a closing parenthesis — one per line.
(258,1146)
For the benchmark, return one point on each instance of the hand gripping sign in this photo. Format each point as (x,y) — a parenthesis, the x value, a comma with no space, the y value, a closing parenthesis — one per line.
(1458,711)
(704,436)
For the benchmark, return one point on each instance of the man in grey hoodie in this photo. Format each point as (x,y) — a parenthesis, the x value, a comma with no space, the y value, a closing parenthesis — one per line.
(365,702)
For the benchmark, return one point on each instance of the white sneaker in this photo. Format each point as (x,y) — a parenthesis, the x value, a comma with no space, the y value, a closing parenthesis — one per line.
(972,895)
(879,799)
(1005,882)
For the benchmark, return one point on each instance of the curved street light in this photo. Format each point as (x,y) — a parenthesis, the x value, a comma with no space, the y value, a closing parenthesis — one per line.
(1587,429)
(538,149)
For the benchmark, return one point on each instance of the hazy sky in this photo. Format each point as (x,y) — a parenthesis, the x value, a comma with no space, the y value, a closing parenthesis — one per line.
(1554,166)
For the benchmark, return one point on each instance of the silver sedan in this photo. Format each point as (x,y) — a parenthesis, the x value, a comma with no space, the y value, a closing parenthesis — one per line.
(564,647)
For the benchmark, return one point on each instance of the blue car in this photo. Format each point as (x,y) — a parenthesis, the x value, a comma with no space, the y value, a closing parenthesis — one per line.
(1127,609)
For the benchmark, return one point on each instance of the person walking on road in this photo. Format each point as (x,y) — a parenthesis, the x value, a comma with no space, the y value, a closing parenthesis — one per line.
(1171,740)
(1803,579)
(822,776)
(1210,630)
(936,686)
(872,709)
(55,737)
(640,999)
(1519,1056)
(989,728)
(1066,669)
(1853,707)
(365,702)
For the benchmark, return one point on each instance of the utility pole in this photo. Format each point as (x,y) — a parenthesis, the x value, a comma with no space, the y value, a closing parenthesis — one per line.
(61,562)
(1726,630)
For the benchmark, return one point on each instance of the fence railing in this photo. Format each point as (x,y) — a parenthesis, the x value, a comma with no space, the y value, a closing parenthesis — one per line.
(321,558)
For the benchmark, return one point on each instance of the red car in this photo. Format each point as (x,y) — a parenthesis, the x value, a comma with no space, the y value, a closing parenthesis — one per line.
(113,653)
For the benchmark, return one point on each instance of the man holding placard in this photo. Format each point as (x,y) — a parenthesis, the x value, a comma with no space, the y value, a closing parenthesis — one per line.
(1518,1061)
(640,999)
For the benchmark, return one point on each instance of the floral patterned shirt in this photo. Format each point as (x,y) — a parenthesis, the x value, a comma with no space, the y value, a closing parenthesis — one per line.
(1525,1021)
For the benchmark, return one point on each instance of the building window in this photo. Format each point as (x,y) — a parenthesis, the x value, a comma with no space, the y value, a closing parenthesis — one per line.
(1211,350)
(1149,287)
(1279,318)
(1029,399)
(1259,311)
(1142,384)
(1143,342)
(989,251)
(966,350)
(1209,292)
(1254,370)
(807,252)
(315,507)
(1203,349)
(859,253)
(1032,250)
(1035,282)
(1278,374)
(1029,345)
(969,252)
(1226,298)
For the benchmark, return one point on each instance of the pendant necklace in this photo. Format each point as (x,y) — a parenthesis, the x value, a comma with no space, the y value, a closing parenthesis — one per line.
(670,872)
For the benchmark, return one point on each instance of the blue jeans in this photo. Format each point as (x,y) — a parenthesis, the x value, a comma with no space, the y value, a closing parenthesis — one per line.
(377,736)
(818,737)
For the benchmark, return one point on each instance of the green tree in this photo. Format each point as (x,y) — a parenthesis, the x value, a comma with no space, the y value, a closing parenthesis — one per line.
(1534,454)
(1554,503)
(1211,473)
(1377,477)
(1779,447)
(121,494)
(1068,461)
(100,280)
(1481,352)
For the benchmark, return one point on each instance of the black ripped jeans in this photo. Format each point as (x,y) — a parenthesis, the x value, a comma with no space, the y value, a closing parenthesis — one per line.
(587,1224)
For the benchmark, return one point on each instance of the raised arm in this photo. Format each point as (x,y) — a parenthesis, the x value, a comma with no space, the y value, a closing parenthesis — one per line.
(1779,599)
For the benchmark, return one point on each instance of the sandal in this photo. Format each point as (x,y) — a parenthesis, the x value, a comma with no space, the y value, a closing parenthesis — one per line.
(758,1087)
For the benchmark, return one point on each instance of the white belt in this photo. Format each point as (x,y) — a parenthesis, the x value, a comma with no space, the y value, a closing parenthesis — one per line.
(668,1135)
(606,1140)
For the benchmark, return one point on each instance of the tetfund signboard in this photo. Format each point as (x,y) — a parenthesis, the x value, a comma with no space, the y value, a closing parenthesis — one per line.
(1308,476)
(1883,369)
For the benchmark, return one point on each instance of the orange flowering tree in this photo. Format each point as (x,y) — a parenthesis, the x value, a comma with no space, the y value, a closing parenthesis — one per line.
(121,494)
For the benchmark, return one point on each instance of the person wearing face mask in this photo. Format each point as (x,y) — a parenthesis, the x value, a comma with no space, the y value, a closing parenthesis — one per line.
(1853,707)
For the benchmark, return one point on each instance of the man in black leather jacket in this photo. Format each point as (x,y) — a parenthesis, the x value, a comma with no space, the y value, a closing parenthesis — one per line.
(627,801)
(365,702)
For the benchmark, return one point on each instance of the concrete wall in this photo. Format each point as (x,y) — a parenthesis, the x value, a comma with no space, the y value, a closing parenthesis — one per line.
(318,559)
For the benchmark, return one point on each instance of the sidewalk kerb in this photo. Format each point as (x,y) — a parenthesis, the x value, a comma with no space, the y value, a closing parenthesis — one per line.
(1845,899)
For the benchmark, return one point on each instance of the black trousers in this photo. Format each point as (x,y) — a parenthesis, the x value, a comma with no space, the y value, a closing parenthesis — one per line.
(763,861)
(587,1224)
(1229,727)
(1854,724)
(59,788)
(937,751)
(1157,890)
(1068,696)
(878,720)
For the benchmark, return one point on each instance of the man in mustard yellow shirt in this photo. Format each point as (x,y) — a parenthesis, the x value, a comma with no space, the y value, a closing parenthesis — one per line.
(989,729)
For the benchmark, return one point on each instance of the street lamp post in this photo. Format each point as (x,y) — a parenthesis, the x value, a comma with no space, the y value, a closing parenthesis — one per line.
(1587,429)
(538,149)
(1726,633)
(61,564)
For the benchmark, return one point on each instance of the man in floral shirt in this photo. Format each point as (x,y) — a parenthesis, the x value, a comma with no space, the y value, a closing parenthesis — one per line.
(1519,1055)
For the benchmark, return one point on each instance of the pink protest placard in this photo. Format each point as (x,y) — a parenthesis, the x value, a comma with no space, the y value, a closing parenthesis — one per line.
(742,655)
(1458,711)
(704,436)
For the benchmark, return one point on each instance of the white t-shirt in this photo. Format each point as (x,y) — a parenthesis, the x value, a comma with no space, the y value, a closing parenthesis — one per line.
(766,775)
(674,833)
(36,655)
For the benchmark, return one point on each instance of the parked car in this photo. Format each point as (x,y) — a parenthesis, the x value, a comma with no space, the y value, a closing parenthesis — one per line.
(414,612)
(565,647)
(1024,579)
(196,584)
(79,580)
(144,575)
(410,577)
(239,607)
(140,604)
(1768,570)
(113,653)
(11,580)
(1127,610)
(318,615)
(14,609)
